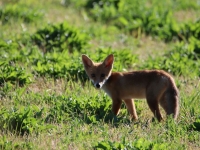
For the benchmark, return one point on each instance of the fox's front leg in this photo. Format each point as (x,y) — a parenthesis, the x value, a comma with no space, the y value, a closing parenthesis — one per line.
(116,104)
(130,105)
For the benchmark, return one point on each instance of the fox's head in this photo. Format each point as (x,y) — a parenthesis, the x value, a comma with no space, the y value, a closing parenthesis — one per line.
(98,72)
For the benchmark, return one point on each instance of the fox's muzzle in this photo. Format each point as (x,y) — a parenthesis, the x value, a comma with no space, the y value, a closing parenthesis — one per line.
(97,85)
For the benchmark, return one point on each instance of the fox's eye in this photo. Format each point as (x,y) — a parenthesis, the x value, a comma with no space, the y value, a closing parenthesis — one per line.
(102,75)
(93,75)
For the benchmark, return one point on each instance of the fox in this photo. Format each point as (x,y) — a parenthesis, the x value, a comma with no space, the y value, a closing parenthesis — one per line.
(156,86)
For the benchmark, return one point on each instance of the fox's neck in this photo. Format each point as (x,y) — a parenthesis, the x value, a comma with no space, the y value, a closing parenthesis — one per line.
(107,81)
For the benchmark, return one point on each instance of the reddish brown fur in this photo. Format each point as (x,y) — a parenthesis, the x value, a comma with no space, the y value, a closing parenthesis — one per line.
(157,86)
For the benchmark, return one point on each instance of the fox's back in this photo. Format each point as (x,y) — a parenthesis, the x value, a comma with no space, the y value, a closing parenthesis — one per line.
(135,84)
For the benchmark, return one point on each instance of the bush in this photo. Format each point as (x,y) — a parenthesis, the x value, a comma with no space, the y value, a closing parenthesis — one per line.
(60,37)
(137,17)
(23,120)
(66,108)
(13,74)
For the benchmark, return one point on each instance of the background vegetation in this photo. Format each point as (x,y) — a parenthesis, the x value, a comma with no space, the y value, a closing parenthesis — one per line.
(46,99)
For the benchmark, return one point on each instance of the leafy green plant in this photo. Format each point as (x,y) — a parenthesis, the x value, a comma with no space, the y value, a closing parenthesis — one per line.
(13,74)
(155,19)
(89,109)
(11,52)
(60,37)
(195,46)
(19,50)
(24,120)
(195,125)
(59,65)
(52,64)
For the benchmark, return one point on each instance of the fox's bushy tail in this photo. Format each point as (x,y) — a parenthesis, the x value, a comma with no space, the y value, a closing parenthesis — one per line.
(170,101)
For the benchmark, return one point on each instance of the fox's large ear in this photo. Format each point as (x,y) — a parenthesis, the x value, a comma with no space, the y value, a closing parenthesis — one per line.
(87,62)
(109,60)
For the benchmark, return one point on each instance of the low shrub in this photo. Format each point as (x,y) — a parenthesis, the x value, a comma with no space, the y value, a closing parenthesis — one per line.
(60,37)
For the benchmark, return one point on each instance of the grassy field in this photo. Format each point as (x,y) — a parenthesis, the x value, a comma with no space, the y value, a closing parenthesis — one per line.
(46,99)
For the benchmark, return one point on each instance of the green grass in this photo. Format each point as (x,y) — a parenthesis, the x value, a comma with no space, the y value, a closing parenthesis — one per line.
(46,100)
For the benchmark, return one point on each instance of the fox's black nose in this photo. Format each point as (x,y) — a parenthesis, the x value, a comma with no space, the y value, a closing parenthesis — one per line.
(97,85)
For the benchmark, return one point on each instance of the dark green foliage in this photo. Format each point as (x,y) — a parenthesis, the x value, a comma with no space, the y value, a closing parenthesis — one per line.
(13,74)
(12,52)
(89,110)
(189,30)
(58,65)
(23,120)
(7,45)
(196,125)
(60,37)
(137,17)
(195,45)
(55,60)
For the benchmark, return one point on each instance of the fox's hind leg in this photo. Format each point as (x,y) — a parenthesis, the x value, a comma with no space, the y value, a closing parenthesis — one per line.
(131,108)
(153,105)
(153,93)
(155,109)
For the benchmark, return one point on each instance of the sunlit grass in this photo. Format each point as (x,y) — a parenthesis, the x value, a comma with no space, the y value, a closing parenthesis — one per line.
(80,124)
